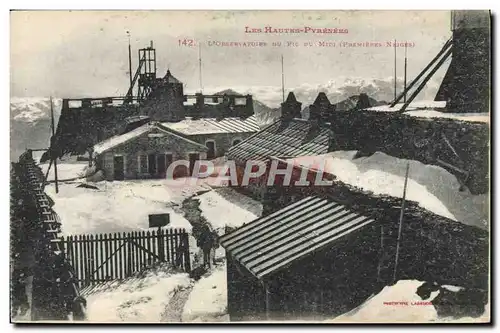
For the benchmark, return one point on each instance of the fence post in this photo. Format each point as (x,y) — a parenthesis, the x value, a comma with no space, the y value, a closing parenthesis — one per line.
(187,262)
(161,246)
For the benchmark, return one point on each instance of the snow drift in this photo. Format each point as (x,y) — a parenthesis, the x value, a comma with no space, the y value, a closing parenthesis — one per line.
(434,188)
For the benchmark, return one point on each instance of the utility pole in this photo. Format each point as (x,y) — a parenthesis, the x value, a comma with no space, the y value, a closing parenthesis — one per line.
(53,136)
(406,65)
(401,222)
(282,80)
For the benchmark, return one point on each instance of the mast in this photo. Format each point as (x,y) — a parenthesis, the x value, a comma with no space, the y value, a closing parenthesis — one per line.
(282,79)
(406,65)
(53,134)
(199,62)
(129,59)
(401,222)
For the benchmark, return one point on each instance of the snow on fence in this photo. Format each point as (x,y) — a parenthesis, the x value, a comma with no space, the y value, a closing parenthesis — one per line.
(105,257)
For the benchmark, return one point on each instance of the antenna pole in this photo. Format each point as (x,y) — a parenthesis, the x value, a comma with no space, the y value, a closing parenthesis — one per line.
(401,222)
(406,65)
(53,134)
(199,61)
(282,80)
(395,71)
(129,59)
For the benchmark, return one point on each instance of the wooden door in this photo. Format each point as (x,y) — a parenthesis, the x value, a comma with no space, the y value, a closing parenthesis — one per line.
(119,165)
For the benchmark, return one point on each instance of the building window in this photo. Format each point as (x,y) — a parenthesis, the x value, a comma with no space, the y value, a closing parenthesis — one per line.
(143,164)
(152,168)
(236,141)
(168,160)
(211,149)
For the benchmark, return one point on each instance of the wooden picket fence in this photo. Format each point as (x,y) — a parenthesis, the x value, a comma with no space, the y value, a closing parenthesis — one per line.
(104,257)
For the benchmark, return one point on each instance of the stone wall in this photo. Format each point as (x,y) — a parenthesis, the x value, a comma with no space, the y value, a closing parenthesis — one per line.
(144,145)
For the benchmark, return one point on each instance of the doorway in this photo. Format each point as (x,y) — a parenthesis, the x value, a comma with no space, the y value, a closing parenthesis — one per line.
(119,166)
(192,159)
(211,149)
(162,170)
(152,164)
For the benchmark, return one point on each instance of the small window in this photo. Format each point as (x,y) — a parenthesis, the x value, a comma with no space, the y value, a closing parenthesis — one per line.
(211,149)
(236,141)
(143,164)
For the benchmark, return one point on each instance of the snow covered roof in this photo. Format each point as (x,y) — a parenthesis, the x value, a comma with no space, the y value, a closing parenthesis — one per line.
(271,243)
(211,125)
(117,140)
(296,137)
(432,109)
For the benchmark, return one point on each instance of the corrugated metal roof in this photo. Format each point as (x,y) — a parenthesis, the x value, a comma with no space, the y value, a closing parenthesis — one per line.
(272,242)
(295,138)
(212,125)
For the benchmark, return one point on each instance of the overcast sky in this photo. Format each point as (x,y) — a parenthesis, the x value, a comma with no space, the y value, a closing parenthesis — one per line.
(77,54)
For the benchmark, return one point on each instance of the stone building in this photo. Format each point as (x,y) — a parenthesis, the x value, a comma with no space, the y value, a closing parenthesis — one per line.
(146,152)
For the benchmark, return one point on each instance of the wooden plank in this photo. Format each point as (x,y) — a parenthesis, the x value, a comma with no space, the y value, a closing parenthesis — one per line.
(154,238)
(128,257)
(144,253)
(137,253)
(187,259)
(109,250)
(168,242)
(102,256)
(148,246)
(81,261)
(92,258)
(105,253)
(123,257)
(175,248)
(87,259)
(112,260)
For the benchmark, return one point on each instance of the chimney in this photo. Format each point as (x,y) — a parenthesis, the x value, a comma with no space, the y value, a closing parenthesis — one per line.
(363,102)
(248,106)
(199,106)
(320,109)
(290,108)
(65,104)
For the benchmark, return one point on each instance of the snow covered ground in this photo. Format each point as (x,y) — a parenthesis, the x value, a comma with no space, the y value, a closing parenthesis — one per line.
(220,212)
(207,301)
(65,170)
(136,299)
(400,304)
(434,188)
(116,206)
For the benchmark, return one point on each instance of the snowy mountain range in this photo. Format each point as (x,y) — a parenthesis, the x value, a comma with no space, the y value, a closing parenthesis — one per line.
(30,116)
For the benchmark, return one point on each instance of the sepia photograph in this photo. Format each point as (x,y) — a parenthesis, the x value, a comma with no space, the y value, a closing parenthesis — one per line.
(250,166)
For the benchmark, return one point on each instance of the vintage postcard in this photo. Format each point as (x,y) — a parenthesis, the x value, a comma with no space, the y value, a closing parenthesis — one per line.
(250,166)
